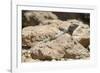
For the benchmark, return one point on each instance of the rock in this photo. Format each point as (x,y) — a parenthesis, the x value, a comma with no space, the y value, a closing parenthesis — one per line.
(54,22)
(77,51)
(32,18)
(64,26)
(46,38)
(72,47)
(74,21)
(82,34)
(64,41)
(62,47)
(31,60)
(43,52)
(34,34)
(25,55)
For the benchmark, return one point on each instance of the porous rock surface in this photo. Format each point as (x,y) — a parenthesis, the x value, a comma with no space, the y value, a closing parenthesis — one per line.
(31,18)
(47,38)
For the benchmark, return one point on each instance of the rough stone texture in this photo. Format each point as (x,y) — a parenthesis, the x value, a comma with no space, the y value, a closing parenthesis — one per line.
(45,37)
(25,55)
(34,34)
(72,47)
(46,53)
(77,51)
(82,34)
(31,18)
(62,47)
